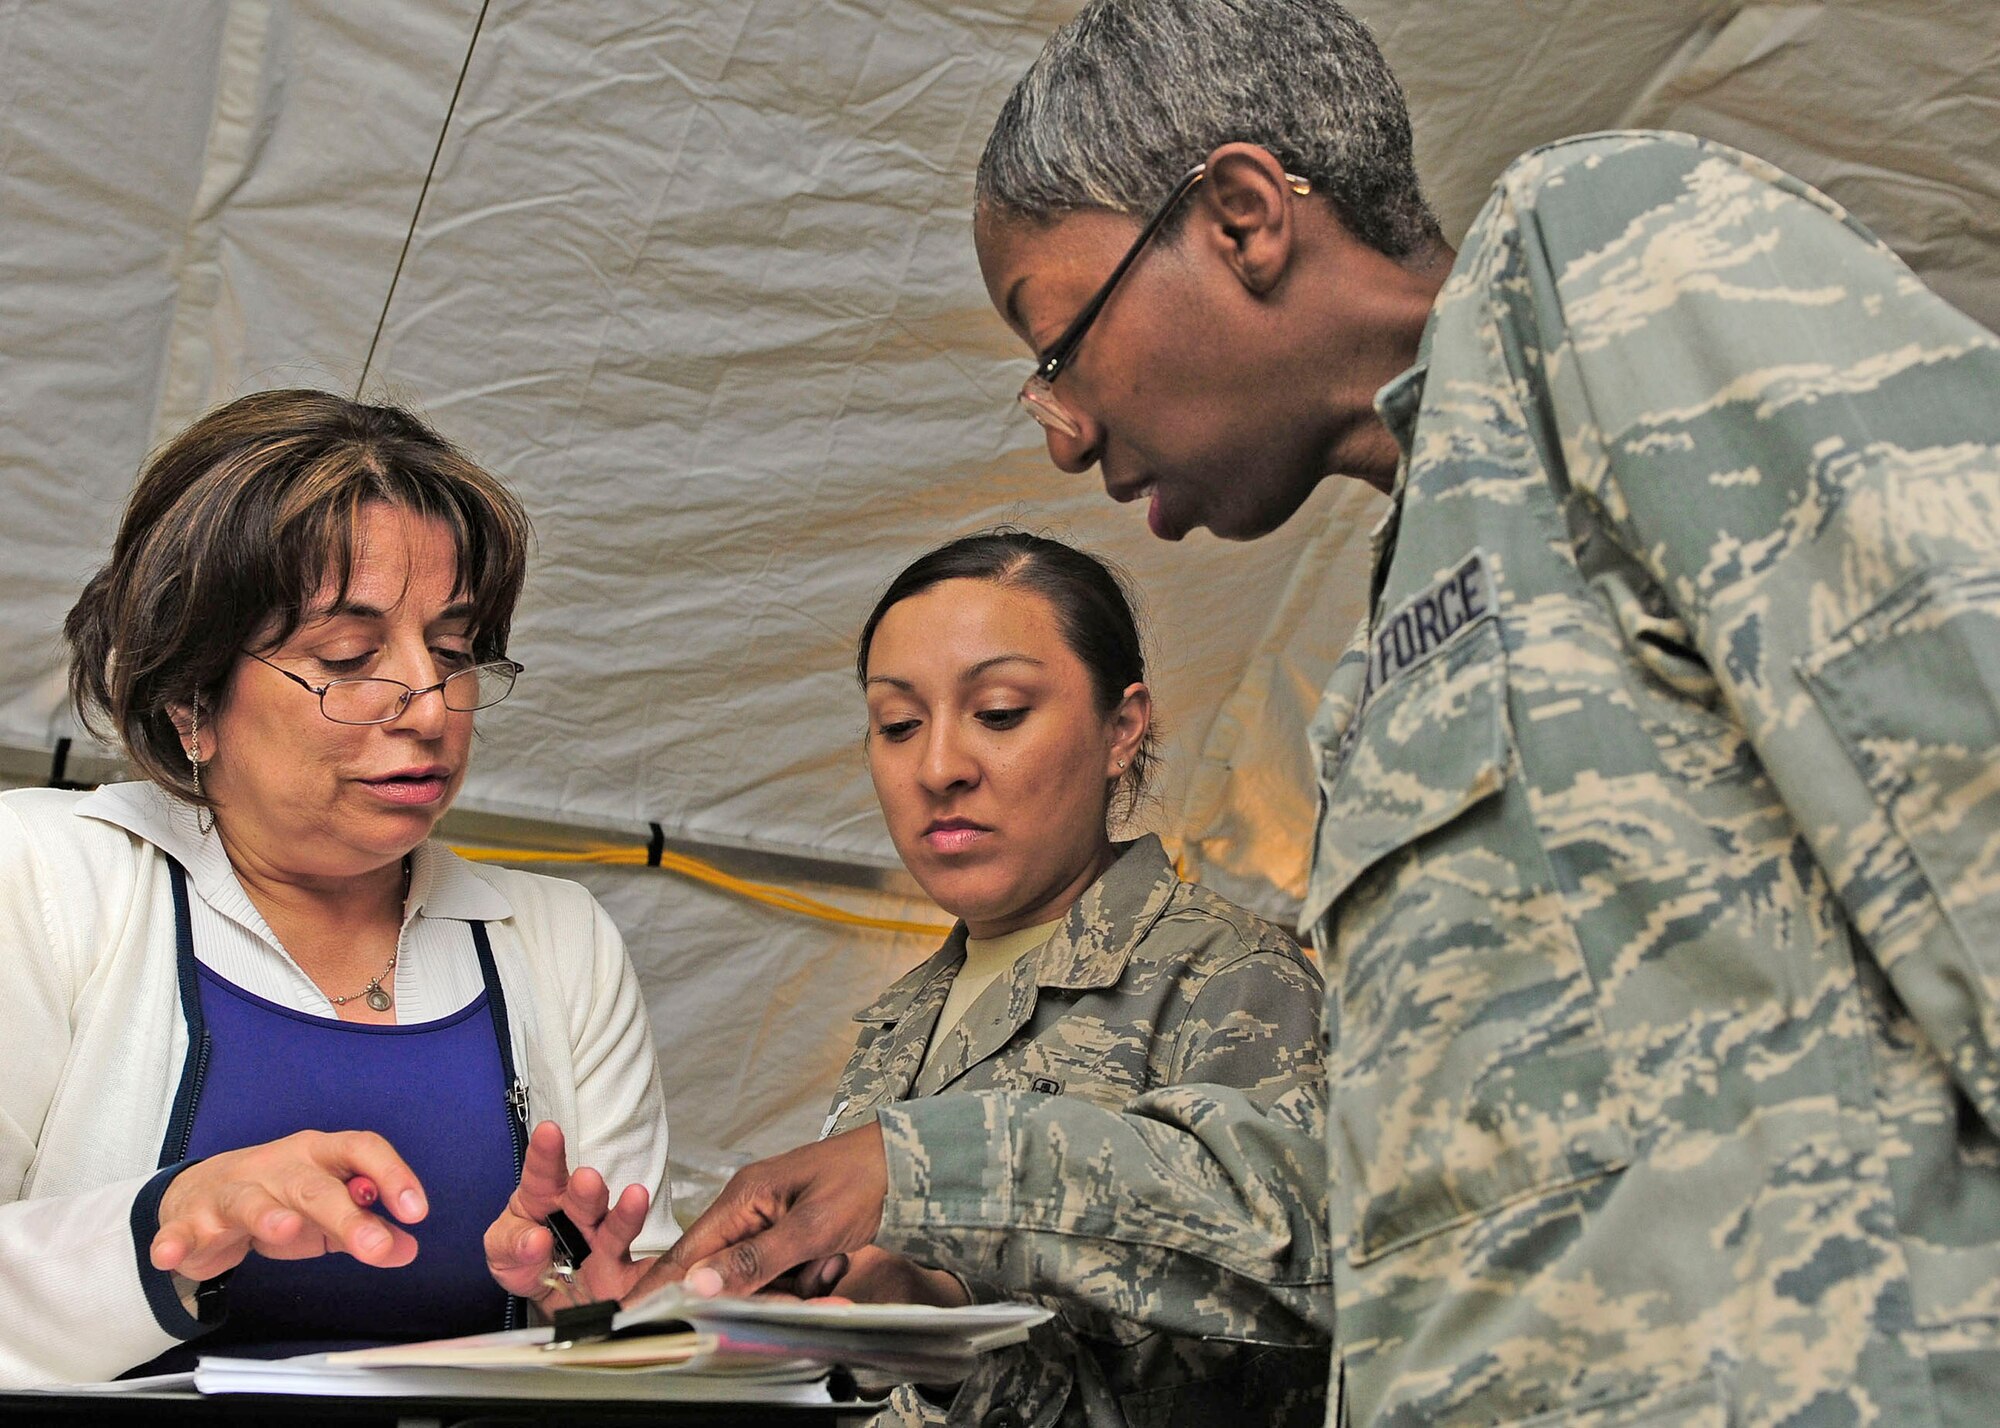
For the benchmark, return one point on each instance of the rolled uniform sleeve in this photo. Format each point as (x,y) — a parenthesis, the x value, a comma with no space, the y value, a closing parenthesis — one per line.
(1198,1210)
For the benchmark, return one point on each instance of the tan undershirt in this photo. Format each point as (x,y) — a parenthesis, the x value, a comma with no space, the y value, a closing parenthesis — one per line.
(987,959)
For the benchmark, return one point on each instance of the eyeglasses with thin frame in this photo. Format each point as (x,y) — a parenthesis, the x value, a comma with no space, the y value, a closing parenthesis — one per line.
(381,701)
(1038,392)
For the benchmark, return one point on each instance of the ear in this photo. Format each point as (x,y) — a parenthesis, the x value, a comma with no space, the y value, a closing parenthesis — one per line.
(1129,723)
(182,718)
(1246,194)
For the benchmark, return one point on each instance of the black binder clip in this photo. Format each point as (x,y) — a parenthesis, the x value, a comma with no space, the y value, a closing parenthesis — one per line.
(571,1247)
(840,1385)
(585,1324)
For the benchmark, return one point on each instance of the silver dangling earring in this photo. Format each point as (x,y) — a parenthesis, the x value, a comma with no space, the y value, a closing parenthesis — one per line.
(204,816)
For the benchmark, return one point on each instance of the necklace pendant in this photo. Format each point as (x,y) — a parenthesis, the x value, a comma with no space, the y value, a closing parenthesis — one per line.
(378,999)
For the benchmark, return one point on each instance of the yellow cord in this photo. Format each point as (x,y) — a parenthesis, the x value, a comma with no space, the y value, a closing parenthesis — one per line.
(784,899)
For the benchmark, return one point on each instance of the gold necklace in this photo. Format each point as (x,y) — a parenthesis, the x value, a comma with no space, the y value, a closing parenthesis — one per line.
(379,997)
(377,994)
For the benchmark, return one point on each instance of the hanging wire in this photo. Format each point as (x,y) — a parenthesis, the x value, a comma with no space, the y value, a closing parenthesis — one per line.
(769,895)
(451,108)
(766,894)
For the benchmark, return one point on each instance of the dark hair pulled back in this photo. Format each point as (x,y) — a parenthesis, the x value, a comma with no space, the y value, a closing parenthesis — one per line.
(1093,608)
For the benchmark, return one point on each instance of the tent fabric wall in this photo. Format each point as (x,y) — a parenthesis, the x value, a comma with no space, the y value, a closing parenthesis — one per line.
(699,284)
(698,281)
(1891,107)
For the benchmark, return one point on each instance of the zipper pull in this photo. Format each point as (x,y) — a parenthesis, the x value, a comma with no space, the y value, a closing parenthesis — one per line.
(517,1099)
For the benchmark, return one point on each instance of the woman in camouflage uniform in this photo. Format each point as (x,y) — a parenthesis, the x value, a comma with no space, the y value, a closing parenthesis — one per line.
(1008,723)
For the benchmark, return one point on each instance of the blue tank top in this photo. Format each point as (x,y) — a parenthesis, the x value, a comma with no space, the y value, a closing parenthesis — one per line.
(445,1095)
(436,1090)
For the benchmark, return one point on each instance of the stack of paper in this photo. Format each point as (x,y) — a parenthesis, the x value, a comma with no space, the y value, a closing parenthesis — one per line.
(673,1346)
(316,1374)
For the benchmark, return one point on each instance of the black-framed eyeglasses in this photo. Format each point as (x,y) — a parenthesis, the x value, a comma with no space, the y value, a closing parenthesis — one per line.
(379,701)
(1038,392)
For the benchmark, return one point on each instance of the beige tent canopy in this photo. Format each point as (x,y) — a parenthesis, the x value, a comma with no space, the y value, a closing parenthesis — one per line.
(697,279)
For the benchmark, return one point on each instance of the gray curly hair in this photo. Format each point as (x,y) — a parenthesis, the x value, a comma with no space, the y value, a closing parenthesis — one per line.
(1130,93)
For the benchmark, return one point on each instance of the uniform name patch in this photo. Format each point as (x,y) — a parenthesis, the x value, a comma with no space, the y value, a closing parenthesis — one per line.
(1425,623)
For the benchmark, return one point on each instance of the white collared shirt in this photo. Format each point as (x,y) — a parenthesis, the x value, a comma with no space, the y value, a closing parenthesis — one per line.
(437,966)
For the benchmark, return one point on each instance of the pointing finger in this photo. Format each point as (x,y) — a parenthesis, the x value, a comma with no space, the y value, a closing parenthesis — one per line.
(544,1172)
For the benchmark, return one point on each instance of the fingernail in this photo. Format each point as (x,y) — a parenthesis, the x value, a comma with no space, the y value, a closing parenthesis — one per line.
(410,1205)
(704,1282)
(374,1239)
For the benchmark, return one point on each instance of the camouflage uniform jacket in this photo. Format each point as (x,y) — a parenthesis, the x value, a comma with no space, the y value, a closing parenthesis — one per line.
(1657,869)
(1659,853)
(1150,982)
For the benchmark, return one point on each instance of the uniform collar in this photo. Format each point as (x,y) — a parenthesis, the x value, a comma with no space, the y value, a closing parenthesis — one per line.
(1401,399)
(1398,404)
(441,886)
(1090,949)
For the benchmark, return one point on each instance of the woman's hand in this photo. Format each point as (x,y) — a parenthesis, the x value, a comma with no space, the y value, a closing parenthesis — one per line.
(520,1247)
(287,1199)
(804,1206)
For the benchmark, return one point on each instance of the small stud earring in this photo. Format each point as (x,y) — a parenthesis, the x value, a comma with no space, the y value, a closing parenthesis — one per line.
(1121,763)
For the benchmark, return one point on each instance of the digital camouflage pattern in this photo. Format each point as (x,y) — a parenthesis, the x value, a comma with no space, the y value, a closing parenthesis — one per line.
(1660,893)
(1149,983)
(1659,855)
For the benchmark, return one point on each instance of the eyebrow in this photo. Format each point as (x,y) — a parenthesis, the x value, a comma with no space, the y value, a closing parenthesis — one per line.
(972,672)
(986,664)
(461,611)
(1010,307)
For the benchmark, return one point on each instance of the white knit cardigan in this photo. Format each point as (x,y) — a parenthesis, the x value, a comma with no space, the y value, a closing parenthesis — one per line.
(92,1043)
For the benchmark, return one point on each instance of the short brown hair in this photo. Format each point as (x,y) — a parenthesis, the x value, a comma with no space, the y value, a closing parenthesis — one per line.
(235,523)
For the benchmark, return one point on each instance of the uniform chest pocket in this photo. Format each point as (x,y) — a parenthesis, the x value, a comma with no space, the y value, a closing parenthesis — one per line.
(1469,1068)
(1061,1067)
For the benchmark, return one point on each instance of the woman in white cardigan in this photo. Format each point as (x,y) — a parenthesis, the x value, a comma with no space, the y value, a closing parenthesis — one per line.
(266,1041)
